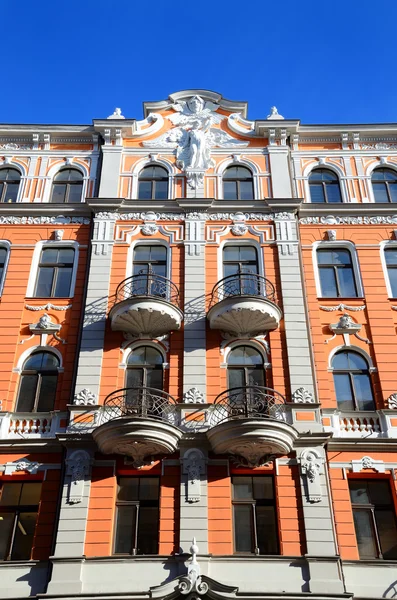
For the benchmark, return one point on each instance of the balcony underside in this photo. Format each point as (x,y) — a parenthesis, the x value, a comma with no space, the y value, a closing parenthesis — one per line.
(253,439)
(145,316)
(245,315)
(138,437)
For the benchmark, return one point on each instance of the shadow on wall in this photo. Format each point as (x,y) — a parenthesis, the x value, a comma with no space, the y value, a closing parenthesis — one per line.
(36,578)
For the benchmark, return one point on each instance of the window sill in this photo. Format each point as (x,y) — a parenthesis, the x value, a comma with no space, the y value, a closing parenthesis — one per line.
(340,299)
(49,299)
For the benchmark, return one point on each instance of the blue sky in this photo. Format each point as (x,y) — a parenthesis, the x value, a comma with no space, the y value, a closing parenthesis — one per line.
(321,62)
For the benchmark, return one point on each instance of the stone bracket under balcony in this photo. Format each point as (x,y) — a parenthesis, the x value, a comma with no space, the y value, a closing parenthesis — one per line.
(146,304)
(244,304)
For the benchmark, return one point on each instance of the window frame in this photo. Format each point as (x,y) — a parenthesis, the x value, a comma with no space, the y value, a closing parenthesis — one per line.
(305,175)
(4,244)
(141,242)
(341,245)
(153,182)
(245,368)
(9,167)
(380,167)
(384,246)
(67,184)
(40,246)
(145,367)
(39,373)
(137,503)
(350,373)
(323,184)
(253,503)
(237,181)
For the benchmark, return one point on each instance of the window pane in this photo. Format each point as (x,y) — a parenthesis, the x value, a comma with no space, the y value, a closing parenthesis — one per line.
(48,389)
(74,175)
(344,395)
(155,379)
(328,282)
(355,361)
(393,281)
(341,361)
(317,194)
(3,255)
(379,492)
(391,256)
(44,282)
(380,192)
(246,190)
(341,257)
(236,378)
(256,377)
(161,190)
(393,192)
(243,540)
(75,192)
(333,193)
(347,283)
(63,281)
(49,360)
(27,393)
(137,356)
(153,356)
(148,530)
(158,253)
(142,253)
(125,529)
(230,173)
(362,386)
(6,527)
(325,257)
(387,532)
(242,488)
(230,190)
(364,534)
(145,190)
(31,493)
(24,533)
(10,494)
(128,489)
(58,192)
(266,530)
(248,254)
(11,192)
(49,256)
(252,356)
(359,491)
(149,488)
(263,488)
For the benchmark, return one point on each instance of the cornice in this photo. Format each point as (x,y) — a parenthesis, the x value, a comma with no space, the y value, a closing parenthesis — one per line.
(348,214)
(234,106)
(363,444)
(21,128)
(44,213)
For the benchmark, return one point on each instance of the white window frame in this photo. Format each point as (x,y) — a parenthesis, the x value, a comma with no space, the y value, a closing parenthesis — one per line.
(242,162)
(379,164)
(11,164)
(25,355)
(5,244)
(40,246)
(255,344)
(384,246)
(330,167)
(349,348)
(59,167)
(146,242)
(345,245)
(241,242)
(147,162)
(143,342)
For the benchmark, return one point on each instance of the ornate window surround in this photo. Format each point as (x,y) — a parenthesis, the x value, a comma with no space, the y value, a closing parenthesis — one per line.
(25,355)
(377,164)
(54,170)
(246,342)
(355,264)
(7,245)
(146,162)
(147,242)
(361,351)
(36,259)
(242,162)
(241,242)
(143,342)
(322,164)
(383,246)
(9,163)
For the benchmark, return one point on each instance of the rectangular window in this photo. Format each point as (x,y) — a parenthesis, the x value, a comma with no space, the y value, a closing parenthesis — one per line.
(336,273)
(254,514)
(374,518)
(391,263)
(3,265)
(55,271)
(137,516)
(19,503)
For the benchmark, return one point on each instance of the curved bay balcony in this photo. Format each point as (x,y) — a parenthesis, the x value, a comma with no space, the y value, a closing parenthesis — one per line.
(139,422)
(244,304)
(146,304)
(251,423)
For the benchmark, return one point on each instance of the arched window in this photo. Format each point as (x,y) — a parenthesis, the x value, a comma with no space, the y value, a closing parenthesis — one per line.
(352,381)
(153,183)
(245,368)
(67,186)
(238,184)
(9,184)
(384,184)
(336,273)
(38,386)
(145,368)
(324,186)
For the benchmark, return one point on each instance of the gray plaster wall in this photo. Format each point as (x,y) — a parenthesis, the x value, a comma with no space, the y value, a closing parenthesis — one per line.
(279,167)
(23,580)
(110,174)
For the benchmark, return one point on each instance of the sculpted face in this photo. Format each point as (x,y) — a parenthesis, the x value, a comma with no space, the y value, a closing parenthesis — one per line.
(196,104)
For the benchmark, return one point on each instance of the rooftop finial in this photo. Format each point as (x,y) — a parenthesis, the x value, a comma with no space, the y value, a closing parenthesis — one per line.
(194,549)
(274,114)
(117,114)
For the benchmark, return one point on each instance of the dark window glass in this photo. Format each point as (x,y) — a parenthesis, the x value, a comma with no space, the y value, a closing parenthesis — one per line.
(145,368)
(150,271)
(384,184)
(54,276)
(238,184)
(9,184)
(19,504)
(324,186)
(391,263)
(336,273)
(240,261)
(153,183)
(245,367)
(137,516)
(374,518)
(352,382)
(3,261)
(254,512)
(67,186)
(38,385)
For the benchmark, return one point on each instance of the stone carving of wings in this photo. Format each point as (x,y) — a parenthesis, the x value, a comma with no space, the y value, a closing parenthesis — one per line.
(220,138)
(170,140)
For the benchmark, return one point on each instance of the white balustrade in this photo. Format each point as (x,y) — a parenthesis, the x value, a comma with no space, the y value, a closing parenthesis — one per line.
(31,425)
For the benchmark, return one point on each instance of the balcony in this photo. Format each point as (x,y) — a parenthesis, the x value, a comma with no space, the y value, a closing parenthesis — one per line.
(146,304)
(32,425)
(244,304)
(251,423)
(139,422)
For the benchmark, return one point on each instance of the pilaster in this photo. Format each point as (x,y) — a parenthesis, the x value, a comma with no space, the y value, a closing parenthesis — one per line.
(280,170)
(194,499)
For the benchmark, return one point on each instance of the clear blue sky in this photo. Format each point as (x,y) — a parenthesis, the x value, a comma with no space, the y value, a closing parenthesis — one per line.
(322,62)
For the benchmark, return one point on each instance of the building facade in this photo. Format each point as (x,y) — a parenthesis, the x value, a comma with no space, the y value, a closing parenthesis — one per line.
(198,381)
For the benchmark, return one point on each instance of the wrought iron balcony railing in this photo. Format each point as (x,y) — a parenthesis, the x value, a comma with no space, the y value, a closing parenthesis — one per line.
(143,402)
(243,284)
(250,402)
(148,284)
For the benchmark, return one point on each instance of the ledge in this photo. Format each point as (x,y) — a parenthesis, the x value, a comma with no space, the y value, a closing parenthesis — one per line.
(347,209)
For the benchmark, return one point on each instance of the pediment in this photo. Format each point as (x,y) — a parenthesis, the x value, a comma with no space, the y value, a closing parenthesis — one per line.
(231,106)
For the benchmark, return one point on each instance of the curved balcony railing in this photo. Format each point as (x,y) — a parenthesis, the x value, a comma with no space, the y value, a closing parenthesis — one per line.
(243,284)
(142,402)
(148,284)
(250,402)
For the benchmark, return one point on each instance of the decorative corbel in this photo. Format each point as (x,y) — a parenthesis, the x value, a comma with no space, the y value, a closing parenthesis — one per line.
(43,327)
(312,466)
(77,467)
(193,463)
(346,327)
